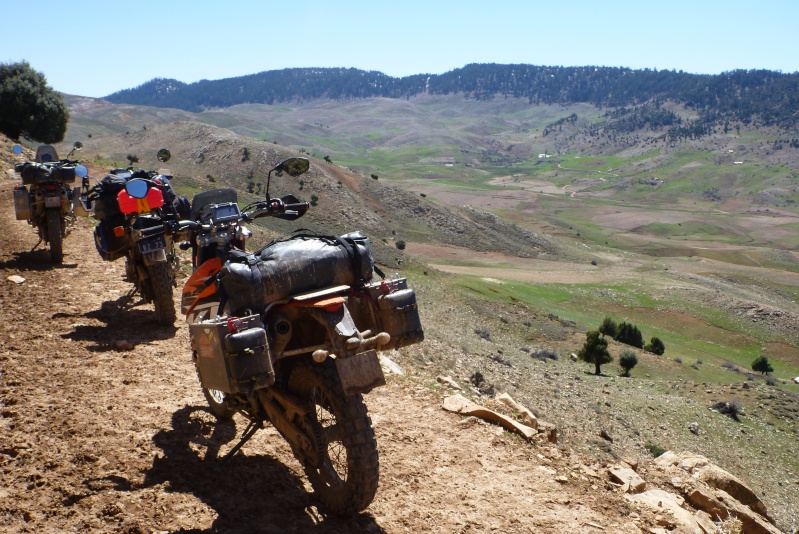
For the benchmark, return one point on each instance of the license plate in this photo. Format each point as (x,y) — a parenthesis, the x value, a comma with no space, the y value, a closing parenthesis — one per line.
(153,243)
(52,202)
(360,373)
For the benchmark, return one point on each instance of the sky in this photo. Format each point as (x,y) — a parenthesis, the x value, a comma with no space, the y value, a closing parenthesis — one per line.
(96,47)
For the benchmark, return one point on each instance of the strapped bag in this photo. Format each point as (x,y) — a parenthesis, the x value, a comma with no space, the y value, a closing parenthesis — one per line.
(296,265)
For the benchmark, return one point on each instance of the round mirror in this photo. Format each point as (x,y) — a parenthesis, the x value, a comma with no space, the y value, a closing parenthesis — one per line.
(17,149)
(294,166)
(77,146)
(81,171)
(137,188)
(164,155)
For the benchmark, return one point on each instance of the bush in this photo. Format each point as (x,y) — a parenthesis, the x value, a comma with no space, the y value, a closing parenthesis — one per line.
(762,366)
(29,107)
(630,335)
(729,408)
(654,450)
(628,359)
(483,333)
(400,244)
(609,327)
(655,346)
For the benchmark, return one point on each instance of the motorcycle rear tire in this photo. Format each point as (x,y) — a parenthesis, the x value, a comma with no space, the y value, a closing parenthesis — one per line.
(161,285)
(345,473)
(219,404)
(54,235)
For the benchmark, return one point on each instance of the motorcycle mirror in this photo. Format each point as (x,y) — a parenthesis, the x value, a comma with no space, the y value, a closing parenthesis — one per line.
(77,146)
(17,149)
(292,166)
(81,171)
(137,188)
(164,155)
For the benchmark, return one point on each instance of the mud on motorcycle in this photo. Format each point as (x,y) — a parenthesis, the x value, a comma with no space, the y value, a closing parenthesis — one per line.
(138,212)
(289,334)
(45,197)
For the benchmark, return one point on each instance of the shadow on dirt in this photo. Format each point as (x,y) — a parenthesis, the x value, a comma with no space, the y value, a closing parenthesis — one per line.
(121,322)
(249,493)
(35,260)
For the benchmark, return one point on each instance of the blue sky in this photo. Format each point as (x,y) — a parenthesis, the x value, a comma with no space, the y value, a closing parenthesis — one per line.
(94,47)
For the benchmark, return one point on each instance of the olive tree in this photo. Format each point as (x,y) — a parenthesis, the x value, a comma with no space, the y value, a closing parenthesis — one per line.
(29,107)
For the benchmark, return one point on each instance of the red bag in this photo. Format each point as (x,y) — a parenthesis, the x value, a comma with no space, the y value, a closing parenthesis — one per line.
(129,204)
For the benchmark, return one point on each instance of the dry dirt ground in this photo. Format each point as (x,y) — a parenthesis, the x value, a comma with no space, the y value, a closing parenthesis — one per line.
(95,439)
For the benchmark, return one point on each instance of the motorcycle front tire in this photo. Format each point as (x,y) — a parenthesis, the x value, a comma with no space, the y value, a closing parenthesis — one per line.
(54,235)
(161,285)
(345,473)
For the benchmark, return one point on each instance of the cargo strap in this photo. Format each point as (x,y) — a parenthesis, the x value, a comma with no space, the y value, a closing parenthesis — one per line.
(356,258)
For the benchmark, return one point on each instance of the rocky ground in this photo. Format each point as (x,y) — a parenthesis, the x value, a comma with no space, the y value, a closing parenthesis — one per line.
(103,428)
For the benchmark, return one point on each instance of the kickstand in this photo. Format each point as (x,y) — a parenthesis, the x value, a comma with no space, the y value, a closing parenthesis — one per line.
(37,244)
(254,426)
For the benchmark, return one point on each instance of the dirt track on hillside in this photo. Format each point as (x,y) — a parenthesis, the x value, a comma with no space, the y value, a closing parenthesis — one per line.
(94,439)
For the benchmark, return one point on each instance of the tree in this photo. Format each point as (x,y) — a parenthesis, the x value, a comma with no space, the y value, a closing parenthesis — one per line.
(595,350)
(608,327)
(29,107)
(630,335)
(762,366)
(628,359)
(133,158)
(400,244)
(655,346)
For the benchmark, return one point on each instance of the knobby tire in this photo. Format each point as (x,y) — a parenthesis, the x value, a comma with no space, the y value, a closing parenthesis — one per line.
(345,472)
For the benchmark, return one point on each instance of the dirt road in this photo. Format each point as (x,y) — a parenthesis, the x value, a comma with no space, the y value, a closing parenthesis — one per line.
(96,439)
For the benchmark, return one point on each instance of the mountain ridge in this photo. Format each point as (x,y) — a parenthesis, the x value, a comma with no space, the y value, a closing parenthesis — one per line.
(770,97)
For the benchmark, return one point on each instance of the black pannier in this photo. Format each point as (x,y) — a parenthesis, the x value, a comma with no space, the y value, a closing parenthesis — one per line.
(110,246)
(106,205)
(300,264)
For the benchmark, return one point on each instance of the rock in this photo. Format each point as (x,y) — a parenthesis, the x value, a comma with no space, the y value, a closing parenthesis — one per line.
(694,427)
(16,279)
(526,415)
(447,381)
(668,507)
(573,357)
(122,344)
(718,478)
(604,435)
(796,380)
(460,404)
(628,479)
(388,365)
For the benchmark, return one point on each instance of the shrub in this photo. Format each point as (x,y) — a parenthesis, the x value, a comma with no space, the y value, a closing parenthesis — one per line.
(654,450)
(400,244)
(655,346)
(762,366)
(132,158)
(628,359)
(483,333)
(544,354)
(29,107)
(630,335)
(609,327)
(729,408)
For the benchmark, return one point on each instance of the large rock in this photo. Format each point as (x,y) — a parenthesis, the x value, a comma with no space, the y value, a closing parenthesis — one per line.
(716,492)
(628,479)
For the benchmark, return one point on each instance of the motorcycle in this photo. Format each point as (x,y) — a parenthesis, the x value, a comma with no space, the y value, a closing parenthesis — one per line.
(45,198)
(140,228)
(288,334)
